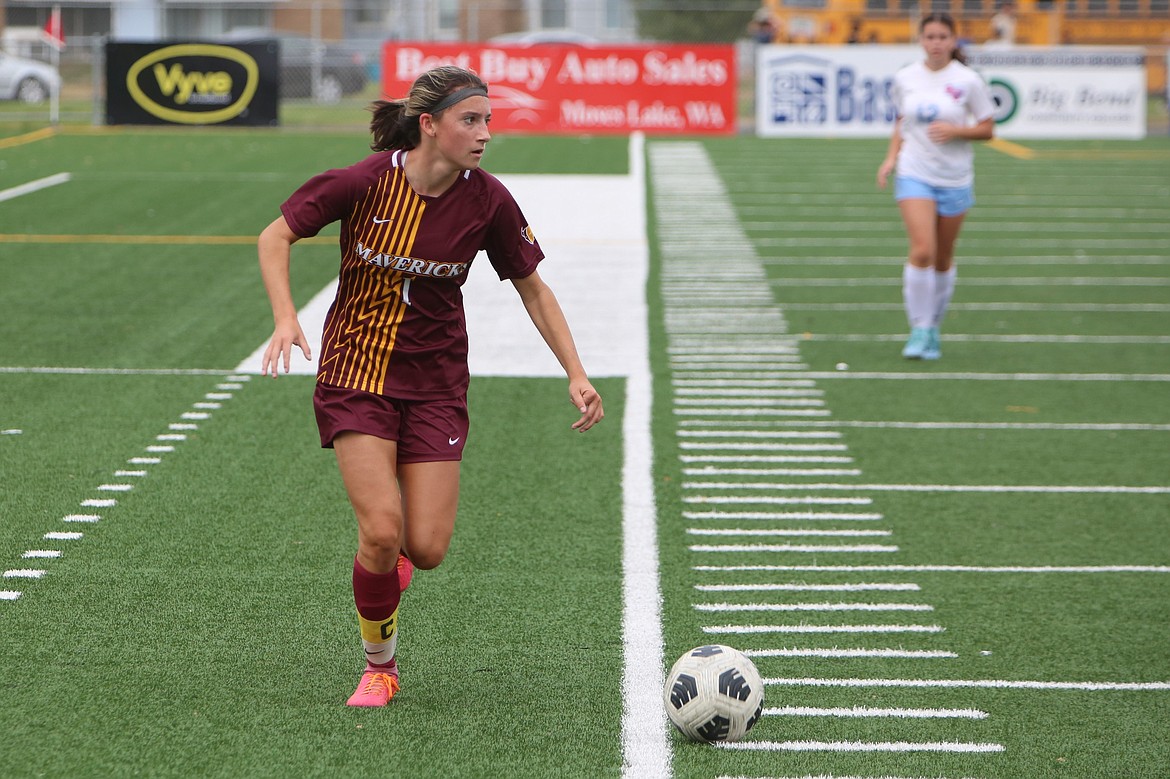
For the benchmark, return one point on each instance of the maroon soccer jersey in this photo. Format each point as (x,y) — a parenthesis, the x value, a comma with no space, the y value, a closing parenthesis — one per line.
(397,326)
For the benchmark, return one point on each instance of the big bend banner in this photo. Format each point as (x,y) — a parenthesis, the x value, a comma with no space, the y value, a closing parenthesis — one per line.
(673,88)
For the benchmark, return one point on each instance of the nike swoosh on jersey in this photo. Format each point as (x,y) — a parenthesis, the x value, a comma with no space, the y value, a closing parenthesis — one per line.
(453,441)
(378,221)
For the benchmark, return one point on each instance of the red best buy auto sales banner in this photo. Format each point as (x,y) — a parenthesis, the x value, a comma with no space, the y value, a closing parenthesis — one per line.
(547,88)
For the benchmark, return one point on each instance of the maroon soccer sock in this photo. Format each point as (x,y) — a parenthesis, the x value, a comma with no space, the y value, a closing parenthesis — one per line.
(377,596)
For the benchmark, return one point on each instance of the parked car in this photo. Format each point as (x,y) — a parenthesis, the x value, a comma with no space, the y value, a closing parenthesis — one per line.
(538,37)
(342,72)
(28,81)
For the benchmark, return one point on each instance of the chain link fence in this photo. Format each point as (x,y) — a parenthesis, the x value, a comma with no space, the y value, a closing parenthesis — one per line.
(330,50)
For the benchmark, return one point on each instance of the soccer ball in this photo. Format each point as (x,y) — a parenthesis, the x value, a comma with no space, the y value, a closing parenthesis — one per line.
(714,693)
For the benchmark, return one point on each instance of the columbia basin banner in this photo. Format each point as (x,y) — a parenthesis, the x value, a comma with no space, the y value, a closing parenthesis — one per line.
(192,83)
(667,89)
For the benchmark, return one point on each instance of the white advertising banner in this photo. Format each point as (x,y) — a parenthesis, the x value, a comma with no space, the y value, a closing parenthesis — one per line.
(809,91)
(844,91)
(1066,92)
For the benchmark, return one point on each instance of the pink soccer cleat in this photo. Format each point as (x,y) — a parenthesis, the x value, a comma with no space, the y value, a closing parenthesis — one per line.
(405,571)
(376,688)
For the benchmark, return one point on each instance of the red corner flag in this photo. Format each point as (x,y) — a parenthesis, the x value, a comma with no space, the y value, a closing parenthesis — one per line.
(53,34)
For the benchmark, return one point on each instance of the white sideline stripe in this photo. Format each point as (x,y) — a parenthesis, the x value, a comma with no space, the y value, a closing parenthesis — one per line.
(115,487)
(211,406)
(24,573)
(780,515)
(144,460)
(733,607)
(730,531)
(81,518)
(801,548)
(786,501)
(9,595)
(983,684)
(861,587)
(860,746)
(943,568)
(995,488)
(864,711)
(39,553)
(129,473)
(837,654)
(645,748)
(57,535)
(34,186)
(99,502)
(751,629)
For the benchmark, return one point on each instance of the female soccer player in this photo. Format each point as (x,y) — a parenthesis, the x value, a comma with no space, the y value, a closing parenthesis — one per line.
(391,394)
(942,106)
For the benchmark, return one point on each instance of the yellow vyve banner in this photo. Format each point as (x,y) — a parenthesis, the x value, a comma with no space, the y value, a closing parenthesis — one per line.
(192,83)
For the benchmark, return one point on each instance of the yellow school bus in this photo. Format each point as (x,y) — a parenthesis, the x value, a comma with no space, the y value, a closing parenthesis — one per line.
(1037,23)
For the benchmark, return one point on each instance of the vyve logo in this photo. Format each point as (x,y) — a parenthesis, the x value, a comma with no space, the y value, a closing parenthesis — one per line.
(194,83)
(210,87)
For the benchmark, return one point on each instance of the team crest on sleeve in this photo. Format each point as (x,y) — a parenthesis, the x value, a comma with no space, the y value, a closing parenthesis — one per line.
(528,235)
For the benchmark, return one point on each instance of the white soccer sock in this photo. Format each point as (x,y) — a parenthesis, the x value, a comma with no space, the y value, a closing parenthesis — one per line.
(944,287)
(918,294)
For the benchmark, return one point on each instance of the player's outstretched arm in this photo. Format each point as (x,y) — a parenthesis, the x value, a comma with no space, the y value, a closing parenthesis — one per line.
(546,314)
(275,249)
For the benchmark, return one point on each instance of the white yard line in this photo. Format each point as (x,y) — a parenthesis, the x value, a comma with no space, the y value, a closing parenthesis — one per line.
(34,186)
(1075,489)
(1041,569)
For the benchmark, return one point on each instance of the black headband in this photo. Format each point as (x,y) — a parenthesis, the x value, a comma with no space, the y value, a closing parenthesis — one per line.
(457,96)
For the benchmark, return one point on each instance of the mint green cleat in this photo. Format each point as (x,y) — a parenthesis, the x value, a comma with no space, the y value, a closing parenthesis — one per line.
(915,348)
(933,348)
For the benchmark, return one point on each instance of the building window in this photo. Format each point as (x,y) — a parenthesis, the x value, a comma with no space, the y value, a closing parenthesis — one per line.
(615,17)
(553,13)
(448,14)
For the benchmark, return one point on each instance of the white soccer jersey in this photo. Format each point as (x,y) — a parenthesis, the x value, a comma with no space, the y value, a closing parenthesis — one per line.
(955,94)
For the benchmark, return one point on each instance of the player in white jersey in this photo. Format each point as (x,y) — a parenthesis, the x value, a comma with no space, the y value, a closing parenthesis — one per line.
(942,107)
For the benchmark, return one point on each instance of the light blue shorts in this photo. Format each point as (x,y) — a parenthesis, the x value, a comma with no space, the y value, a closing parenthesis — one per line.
(951,201)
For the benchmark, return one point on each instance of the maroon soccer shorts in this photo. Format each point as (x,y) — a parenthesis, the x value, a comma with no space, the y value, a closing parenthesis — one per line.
(426,430)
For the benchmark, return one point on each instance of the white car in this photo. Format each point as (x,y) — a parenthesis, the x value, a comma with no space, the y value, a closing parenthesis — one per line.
(28,81)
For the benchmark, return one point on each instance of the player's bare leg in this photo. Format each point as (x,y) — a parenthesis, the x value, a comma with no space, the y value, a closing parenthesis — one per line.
(918,276)
(368,468)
